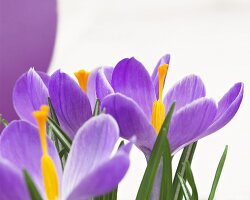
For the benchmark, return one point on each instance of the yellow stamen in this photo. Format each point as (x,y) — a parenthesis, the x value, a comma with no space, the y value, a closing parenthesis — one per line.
(158,111)
(50,178)
(158,115)
(162,72)
(82,77)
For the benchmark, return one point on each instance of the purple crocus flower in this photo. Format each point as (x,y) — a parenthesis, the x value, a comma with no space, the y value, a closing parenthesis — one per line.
(90,169)
(137,105)
(71,104)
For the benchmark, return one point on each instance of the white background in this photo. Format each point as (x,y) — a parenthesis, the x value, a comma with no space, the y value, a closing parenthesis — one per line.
(208,38)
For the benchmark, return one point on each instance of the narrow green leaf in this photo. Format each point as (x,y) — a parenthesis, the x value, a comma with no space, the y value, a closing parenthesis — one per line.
(63,152)
(109,196)
(113,195)
(97,108)
(34,194)
(218,174)
(187,155)
(191,181)
(53,136)
(3,121)
(184,187)
(52,112)
(62,137)
(166,182)
(154,160)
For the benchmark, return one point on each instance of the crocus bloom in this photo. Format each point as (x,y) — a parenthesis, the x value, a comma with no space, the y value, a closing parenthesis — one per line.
(71,104)
(90,170)
(138,106)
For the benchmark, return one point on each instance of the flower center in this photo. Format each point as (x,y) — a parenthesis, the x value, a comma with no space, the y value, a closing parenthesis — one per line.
(82,77)
(158,111)
(50,178)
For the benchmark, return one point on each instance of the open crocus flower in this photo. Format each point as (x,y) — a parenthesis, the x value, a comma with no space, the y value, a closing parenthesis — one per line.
(139,108)
(71,104)
(90,170)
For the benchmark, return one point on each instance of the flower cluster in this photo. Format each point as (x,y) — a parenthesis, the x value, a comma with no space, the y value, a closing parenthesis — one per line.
(68,152)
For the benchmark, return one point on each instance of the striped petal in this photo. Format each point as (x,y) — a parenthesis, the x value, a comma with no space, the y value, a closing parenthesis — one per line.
(227,108)
(71,104)
(132,79)
(29,94)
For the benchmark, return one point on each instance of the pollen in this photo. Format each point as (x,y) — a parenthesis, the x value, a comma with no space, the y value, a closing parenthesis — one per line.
(158,111)
(50,178)
(82,77)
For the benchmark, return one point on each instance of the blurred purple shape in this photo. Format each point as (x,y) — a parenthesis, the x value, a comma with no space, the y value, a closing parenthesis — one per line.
(27,37)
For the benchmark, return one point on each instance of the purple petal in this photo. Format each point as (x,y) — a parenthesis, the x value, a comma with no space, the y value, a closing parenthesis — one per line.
(132,79)
(103,86)
(131,120)
(227,108)
(28,30)
(91,147)
(164,60)
(127,148)
(12,184)
(91,88)
(103,179)
(108,71)
(189,122)
(45,77)
(184,92)
(20,144)
(29,94)
(71,104)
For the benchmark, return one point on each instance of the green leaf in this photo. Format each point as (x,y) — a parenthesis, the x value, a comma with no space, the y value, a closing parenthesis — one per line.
(62,137)
(34,194)
(187,155)
(184,187)
(63,152)
(3,121)
(52,112)
(218,174)
(154,160)
(166,182)
(53,136)
(97,108)
(109,196)
(190,179)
